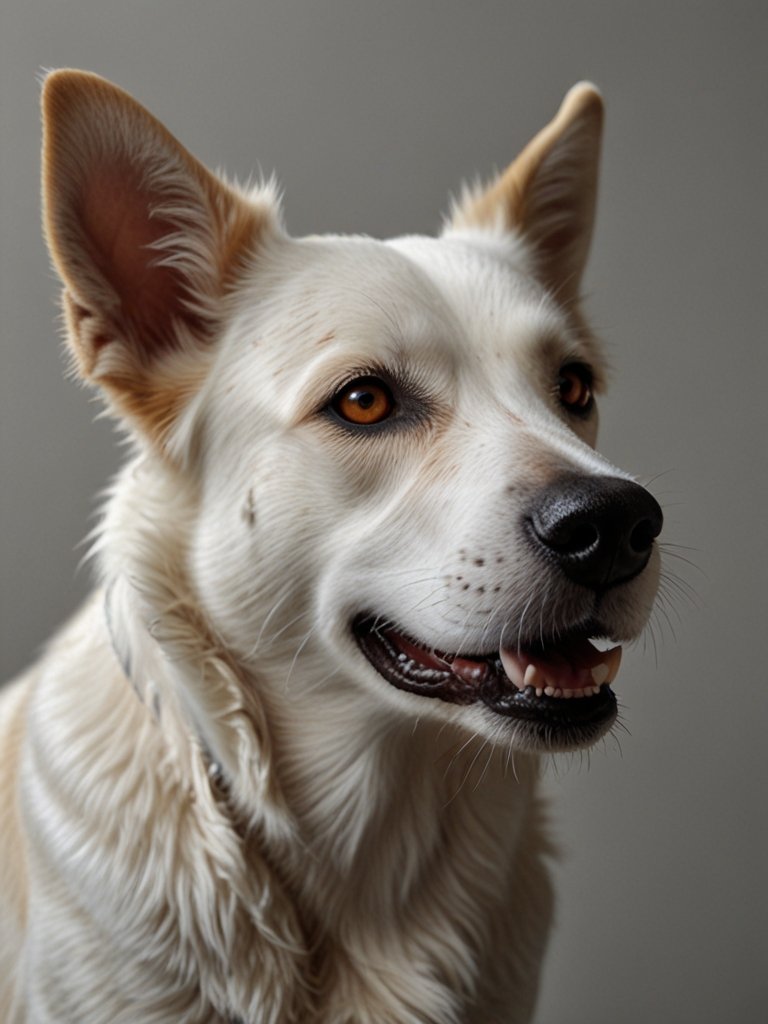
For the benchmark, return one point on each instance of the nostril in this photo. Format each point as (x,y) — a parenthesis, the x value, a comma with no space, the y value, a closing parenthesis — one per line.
(643,535)
(578,538)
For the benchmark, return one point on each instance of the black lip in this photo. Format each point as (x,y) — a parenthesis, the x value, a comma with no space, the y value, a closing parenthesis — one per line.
(549,723)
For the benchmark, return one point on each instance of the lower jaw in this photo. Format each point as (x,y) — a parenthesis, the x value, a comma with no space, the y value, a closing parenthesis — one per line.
(539,722)
(552,723)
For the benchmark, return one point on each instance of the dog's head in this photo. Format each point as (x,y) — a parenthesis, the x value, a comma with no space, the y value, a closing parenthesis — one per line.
(386,448)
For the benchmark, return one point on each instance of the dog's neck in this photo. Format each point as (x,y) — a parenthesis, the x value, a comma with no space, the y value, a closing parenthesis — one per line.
(377,799)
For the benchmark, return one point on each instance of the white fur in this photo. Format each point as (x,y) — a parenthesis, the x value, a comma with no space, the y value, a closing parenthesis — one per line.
(213,808)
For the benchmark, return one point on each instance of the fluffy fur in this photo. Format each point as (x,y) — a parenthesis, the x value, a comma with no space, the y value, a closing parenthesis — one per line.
(212,807)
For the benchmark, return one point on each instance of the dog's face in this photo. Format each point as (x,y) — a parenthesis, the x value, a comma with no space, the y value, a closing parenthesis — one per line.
(397,497)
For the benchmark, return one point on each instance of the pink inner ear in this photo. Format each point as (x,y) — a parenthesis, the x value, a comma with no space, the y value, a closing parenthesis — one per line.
(120,232)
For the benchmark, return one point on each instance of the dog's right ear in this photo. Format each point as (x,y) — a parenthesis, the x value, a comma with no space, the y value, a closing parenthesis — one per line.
(147,243)
(547,195)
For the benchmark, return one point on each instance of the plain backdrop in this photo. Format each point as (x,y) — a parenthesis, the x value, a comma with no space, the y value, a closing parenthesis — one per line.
(371,113)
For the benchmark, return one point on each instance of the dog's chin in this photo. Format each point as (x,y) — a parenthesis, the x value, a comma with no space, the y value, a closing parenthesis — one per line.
(554,696)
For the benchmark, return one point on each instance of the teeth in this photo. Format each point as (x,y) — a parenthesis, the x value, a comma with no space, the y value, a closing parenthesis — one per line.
(536,679)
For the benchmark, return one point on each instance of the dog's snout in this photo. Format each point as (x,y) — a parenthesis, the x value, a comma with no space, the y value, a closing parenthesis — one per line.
(600,530)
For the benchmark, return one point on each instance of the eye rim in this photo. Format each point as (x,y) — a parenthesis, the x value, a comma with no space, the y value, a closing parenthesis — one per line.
(582,373)
(386,409)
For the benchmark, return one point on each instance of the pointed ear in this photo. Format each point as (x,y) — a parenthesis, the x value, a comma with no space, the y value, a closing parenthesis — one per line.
(548,193)
(146,241)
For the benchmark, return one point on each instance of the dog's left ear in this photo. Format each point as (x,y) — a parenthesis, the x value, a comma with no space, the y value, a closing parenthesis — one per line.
(147,242)
(548,193)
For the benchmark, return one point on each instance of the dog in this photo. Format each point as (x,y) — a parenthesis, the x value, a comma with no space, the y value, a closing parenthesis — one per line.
(283,765)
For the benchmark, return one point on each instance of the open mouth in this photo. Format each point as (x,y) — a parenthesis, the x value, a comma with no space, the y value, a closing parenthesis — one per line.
(558,692)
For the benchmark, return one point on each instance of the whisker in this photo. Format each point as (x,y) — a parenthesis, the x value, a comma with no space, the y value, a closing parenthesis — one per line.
(510,760)
(657,476)
(662,611)
(667,553)
(652,633)
(286,627)
(665,544)
(319,683)
(411,569)
(472,763)
(457,754)
(522,619)
(268,618)
(299,649)
(681,587)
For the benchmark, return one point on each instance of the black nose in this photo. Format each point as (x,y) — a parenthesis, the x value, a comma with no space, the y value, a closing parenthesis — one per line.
(600,529)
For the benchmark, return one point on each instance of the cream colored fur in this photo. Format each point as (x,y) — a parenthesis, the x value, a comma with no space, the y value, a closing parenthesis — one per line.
(212,809)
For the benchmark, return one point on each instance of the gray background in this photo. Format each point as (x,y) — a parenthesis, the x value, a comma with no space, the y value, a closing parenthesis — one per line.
(371,113)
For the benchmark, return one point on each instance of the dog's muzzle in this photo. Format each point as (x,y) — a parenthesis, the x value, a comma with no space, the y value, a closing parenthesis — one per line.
(598,532)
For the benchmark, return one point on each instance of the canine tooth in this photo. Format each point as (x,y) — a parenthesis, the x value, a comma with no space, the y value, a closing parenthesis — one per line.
(607,670)
(600,673)
(533,677)
(512,668)
(614,663)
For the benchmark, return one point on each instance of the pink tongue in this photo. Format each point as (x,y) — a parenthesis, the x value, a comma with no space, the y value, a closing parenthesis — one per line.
(575,665)
(470,671)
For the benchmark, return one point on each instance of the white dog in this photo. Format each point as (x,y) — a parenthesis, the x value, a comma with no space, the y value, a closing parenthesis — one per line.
(282,767)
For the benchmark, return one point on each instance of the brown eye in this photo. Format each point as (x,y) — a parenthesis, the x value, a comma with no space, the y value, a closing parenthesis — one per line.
(574,388)
(364,402)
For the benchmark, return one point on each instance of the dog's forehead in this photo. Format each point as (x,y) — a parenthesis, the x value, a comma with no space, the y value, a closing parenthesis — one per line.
(485,280)
(438,297)
(484,286)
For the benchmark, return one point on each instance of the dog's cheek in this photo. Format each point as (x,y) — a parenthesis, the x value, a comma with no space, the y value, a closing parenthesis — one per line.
(263,539)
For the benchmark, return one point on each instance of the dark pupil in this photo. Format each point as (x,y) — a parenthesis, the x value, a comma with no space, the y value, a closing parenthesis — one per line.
(363,398)
(569,387)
